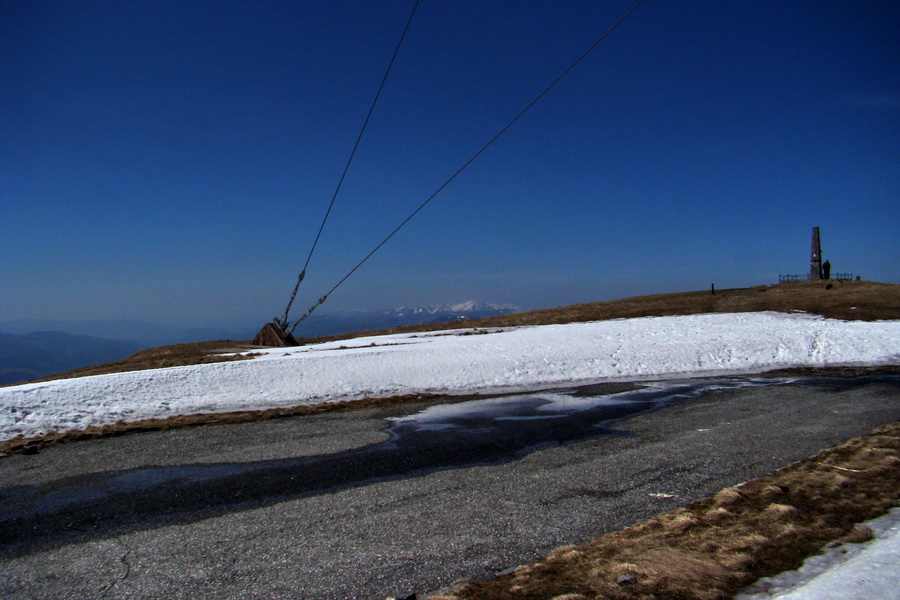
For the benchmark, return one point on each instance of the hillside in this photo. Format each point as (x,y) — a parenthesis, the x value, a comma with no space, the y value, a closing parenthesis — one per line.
(848,300)
(723,542)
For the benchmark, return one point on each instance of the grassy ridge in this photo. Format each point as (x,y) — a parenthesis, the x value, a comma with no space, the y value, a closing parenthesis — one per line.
(850,300)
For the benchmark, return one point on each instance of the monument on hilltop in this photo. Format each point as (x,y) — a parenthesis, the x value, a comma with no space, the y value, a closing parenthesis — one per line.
(818,270)
(815,261)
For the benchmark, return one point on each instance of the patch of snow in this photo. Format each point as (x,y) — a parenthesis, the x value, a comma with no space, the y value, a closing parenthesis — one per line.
(443,362)
(866,571)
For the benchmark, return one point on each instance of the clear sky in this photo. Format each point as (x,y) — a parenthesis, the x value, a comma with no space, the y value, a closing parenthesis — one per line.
(172,161)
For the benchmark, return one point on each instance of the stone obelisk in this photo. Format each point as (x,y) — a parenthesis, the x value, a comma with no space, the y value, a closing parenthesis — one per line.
(815,261)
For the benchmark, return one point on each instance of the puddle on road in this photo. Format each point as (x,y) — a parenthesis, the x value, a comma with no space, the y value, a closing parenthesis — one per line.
(477,432)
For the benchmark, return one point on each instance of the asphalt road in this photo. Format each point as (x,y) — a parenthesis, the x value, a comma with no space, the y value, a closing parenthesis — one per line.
(406,532)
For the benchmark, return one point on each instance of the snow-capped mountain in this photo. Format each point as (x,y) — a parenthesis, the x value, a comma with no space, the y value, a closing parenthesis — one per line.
(346,322)
(437,313)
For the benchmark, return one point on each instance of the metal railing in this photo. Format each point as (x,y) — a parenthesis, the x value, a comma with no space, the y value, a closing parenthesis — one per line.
(806,277)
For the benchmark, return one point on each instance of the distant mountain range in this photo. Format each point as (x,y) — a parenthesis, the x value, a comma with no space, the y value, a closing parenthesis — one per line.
(39,354)
(30,349)
(144,333)
(33,348)
(439,313)
(350,321)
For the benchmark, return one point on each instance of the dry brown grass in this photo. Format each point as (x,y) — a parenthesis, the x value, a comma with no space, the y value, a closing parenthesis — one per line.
(851,300)
(706,551)
(177,355)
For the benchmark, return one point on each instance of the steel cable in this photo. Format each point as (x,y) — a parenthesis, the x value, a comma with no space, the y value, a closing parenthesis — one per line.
(283,322)
(467,163)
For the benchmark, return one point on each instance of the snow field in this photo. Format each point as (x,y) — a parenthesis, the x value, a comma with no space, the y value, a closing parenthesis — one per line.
(448,362)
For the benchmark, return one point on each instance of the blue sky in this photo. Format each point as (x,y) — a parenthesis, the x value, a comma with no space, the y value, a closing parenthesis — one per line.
(172,161)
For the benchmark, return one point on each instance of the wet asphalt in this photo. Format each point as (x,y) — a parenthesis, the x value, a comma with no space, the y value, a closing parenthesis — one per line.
(380,502)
